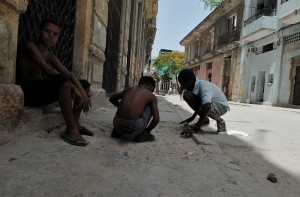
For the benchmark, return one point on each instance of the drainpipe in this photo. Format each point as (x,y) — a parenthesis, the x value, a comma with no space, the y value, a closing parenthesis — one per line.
(276,99)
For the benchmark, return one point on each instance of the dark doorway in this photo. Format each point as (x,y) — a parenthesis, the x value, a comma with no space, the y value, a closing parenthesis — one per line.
(112,46)
(296,95)
(61,11)
(261,86)
(226,77)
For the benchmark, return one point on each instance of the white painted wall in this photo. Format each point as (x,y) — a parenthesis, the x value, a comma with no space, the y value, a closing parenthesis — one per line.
(263,62)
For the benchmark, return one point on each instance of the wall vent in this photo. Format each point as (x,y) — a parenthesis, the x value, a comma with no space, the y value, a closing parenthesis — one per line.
(251,50)
(291,38)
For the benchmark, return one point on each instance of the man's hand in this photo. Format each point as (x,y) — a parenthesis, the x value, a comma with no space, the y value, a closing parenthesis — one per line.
(83,100)
(186,133)
(86,103)
(187,121)
(77,94)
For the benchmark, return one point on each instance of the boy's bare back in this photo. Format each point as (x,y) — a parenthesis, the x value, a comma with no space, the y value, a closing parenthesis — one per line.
(134,101)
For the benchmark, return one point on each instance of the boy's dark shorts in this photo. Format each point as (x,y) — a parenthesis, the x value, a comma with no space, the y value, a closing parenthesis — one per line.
(45,91)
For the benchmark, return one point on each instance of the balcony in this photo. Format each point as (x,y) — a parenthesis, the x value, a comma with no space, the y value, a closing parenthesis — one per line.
(261,24)
(228,38)
(289,11)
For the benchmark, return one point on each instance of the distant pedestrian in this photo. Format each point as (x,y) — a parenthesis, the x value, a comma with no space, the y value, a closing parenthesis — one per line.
(206,99)
(170,91)
(136,106)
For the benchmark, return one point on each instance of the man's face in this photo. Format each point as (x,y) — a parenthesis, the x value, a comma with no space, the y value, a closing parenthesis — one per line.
(49,34)
(188,85)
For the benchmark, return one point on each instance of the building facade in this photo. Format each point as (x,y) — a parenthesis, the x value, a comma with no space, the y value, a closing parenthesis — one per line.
(107,42)
(270,55)
(212,47)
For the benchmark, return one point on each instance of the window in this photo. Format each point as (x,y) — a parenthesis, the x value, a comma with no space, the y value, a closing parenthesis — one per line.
(212,36)
(209,66)
(232,23)
(196,48)
(252,83)
(270,79)
(268,47)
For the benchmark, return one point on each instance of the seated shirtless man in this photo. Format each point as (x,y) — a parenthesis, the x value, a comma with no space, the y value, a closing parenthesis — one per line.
(58,84)
(136,105)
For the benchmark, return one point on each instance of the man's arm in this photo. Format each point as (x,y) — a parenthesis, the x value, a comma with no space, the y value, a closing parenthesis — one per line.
(203,115)
(190,119)
(36,55)
(86,102)
(114,99)
(155,113)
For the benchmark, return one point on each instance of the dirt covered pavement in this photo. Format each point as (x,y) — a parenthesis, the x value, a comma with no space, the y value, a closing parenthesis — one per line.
(41,164)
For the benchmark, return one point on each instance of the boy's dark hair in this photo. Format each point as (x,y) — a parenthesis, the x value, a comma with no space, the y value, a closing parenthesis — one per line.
(186,75)
(147,80)
(49,20)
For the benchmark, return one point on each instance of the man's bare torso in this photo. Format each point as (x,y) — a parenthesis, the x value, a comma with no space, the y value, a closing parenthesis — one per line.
(134,102)
(28,69)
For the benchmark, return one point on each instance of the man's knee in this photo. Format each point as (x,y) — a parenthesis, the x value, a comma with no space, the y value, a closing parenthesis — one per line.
(66,85)
(85,84)
(188,95)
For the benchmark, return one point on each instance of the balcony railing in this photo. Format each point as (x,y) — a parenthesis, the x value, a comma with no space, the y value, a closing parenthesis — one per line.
(283,1)
(260,13)
(228,38)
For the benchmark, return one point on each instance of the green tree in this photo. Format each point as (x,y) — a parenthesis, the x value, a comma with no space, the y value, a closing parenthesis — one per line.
(168,65)
(211,4)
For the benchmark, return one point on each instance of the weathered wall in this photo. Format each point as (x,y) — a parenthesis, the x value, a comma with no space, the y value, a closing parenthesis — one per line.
(11,95)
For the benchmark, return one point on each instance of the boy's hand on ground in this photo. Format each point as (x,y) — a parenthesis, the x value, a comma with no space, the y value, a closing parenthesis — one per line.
(186,133)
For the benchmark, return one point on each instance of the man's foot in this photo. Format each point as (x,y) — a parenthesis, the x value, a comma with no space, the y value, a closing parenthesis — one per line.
(206,122)
(85,131)
(73,139)
(144,137)
(221,127)
(115,134)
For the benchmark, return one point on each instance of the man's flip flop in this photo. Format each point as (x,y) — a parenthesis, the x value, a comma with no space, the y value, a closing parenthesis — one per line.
(85,131)
(73,139)
(186,133)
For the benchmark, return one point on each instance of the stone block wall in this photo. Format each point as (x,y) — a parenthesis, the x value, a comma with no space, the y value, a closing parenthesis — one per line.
(11,95)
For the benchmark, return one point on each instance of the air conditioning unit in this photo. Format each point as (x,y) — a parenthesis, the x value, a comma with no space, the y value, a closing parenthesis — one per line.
(251,50)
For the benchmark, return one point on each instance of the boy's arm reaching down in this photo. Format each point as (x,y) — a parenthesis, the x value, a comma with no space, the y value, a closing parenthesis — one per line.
(114,99)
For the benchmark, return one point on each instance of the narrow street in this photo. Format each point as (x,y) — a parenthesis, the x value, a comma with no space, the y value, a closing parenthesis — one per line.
(41,164)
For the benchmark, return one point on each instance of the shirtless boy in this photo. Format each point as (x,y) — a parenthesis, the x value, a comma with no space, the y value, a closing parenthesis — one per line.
(136,105)
(59,84)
